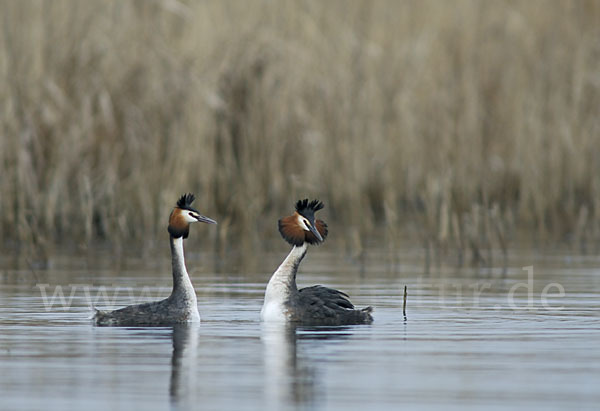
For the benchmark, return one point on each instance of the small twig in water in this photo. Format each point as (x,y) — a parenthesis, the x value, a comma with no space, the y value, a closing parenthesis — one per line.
(404,304)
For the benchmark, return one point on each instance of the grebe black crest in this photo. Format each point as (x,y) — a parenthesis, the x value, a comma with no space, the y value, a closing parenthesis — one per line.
(181,306)
(315,305)
(301,226)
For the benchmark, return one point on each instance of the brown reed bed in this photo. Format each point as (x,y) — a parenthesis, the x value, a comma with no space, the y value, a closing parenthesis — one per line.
(456,123)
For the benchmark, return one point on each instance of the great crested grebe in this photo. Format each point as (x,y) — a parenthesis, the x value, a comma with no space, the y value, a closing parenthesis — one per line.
(316,305)
(181,306)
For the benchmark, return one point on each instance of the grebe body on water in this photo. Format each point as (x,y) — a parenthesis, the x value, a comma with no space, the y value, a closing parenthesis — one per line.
(181,306)
(316,305)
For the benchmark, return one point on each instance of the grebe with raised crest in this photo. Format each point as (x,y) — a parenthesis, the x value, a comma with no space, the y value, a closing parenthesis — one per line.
(181,306)
(316,305)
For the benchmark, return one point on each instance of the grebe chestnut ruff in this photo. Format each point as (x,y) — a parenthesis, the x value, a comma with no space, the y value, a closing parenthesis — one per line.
(316,305)
(181,306)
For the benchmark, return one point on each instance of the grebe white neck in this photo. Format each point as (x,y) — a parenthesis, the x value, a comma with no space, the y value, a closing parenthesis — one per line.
(282,286)
(182,284)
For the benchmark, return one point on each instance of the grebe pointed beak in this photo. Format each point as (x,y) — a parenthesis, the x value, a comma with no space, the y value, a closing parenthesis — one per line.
(315,232)
(203,219)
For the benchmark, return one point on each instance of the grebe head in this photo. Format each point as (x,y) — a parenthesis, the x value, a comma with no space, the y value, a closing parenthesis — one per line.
(183,215)
(301,226)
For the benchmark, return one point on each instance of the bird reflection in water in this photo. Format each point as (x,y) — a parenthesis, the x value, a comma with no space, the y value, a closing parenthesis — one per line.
(291,366)
(183,365)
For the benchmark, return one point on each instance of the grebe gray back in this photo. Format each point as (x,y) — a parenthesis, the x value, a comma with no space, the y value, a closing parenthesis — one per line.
(316,305)
(181,306)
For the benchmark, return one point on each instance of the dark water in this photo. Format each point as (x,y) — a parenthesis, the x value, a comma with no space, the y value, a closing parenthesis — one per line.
(472,338)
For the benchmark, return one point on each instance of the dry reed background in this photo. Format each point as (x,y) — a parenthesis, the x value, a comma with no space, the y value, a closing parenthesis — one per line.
(455,122)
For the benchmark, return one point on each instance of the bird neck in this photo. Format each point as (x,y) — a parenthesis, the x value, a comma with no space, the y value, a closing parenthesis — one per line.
(181,279)
(286,272)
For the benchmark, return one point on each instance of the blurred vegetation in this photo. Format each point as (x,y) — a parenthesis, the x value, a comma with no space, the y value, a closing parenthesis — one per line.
(455,122)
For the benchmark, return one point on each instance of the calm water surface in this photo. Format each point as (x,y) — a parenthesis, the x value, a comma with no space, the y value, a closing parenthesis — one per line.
(471,338)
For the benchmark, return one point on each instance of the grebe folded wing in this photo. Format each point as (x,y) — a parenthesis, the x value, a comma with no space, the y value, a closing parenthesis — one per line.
(140,314)
(319,294)
(326,306)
